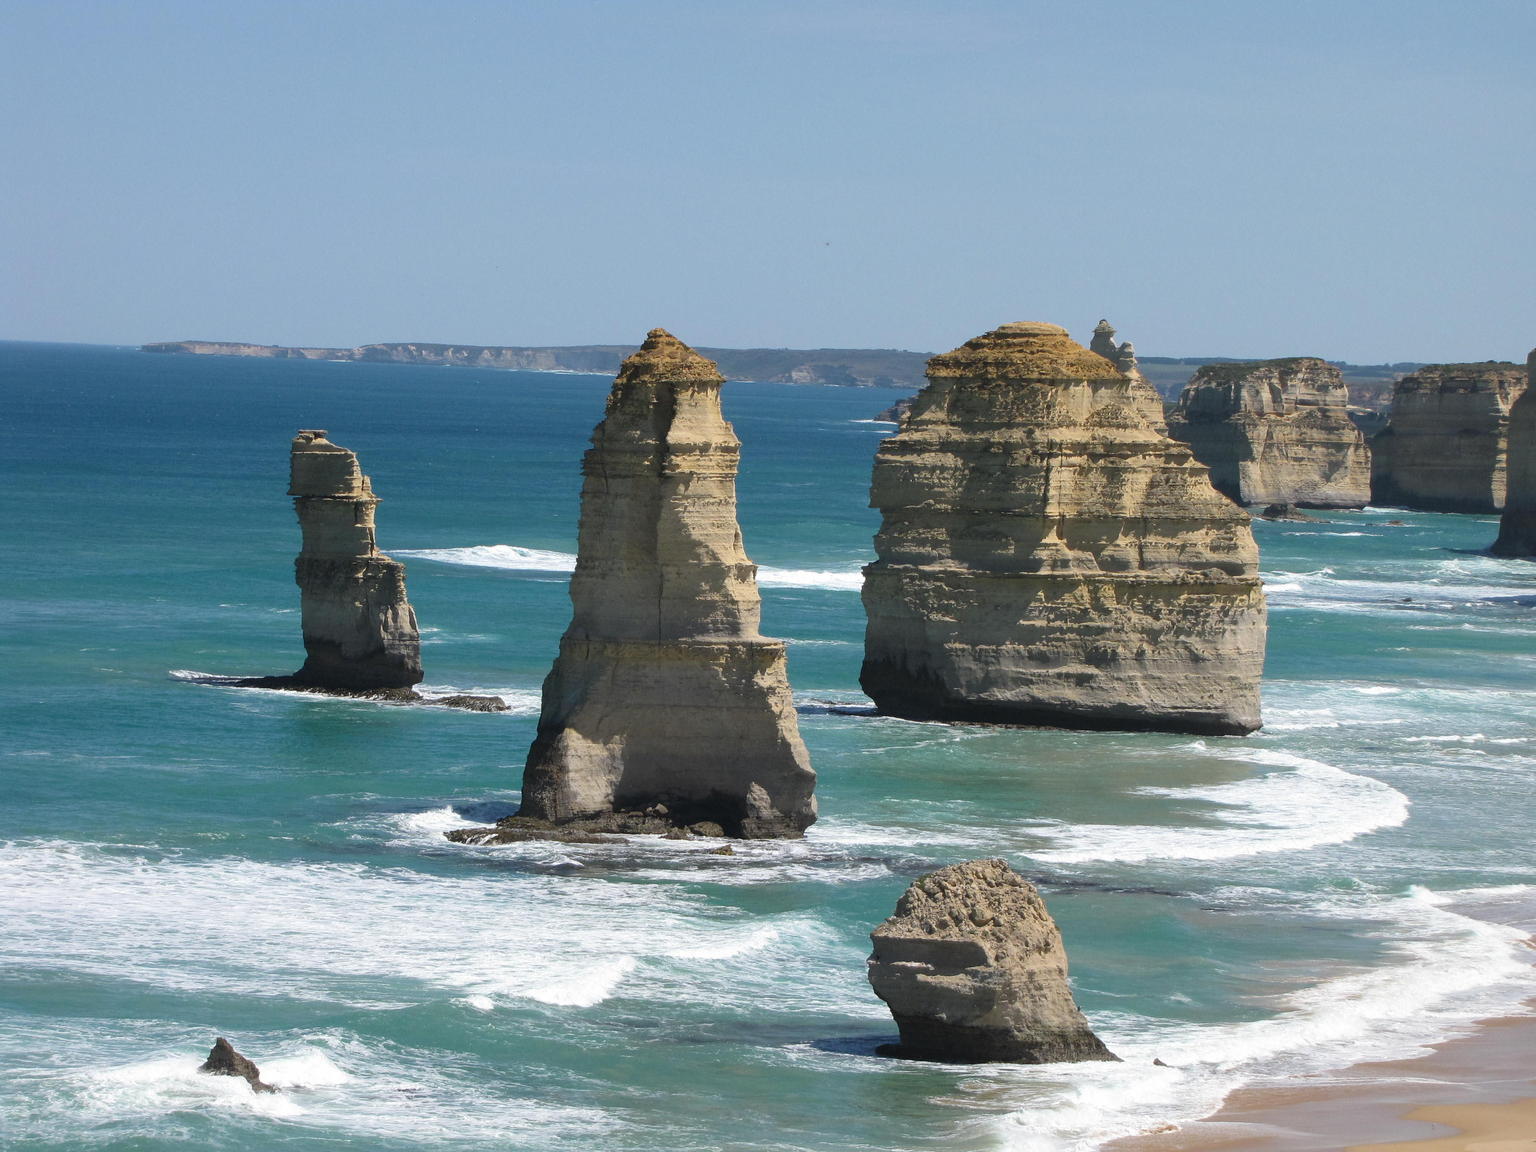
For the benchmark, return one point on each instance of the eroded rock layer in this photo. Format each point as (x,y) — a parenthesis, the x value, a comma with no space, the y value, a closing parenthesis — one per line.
(359,629)
(1517,527)
(665,699)
(1123,356)
(1276,432)
(1443,449)
(1047,556)
(972,968)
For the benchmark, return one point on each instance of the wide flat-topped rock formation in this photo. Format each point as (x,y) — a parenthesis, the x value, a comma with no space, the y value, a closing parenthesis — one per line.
(1443,449)
(1047,556)
(1276,432)
(666,704)
(1517,527)
(973,969)
(359,629)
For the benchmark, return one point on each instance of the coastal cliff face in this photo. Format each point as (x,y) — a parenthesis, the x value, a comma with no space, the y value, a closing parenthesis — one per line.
(847,367)
(973,969)
(1517,527)
(359,630)
(1046,556)
(1276,432)
(664,693)
(1443,449)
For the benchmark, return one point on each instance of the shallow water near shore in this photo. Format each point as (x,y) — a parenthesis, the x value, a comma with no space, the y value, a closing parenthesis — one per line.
(179,860)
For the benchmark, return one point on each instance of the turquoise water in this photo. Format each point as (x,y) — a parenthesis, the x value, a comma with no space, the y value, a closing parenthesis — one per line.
(181,861)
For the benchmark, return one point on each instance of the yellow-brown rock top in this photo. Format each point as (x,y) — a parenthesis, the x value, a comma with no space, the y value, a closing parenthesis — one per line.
(665,699)
(1443,449)
(360,632)
(1047,556)
(1517,527)
(1276,432)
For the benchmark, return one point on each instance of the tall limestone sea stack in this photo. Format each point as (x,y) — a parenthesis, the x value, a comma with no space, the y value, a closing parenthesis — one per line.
(1047,556)
(359,629)
(1443,450)
(666,706)
(1276,432)
(1517,527)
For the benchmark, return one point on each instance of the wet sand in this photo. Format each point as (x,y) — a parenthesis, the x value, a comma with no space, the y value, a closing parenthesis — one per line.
(1476,1093)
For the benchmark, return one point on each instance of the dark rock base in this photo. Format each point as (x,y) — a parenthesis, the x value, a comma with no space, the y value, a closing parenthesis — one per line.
(1517,535)
(925,1039)
(898,693)
(605,829)
(377,695)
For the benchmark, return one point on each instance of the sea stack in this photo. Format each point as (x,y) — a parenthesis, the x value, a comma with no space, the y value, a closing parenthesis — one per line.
(973,970)
(666,703)
(1047,556)
(1123,357)
(1443,449)
(360,632)
(1517,527)
(1276,432)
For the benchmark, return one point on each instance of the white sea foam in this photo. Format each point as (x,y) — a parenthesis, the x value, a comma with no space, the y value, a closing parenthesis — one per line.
(1448,970)
(1398,586)
(1302,804)
(512,558)
(311,930)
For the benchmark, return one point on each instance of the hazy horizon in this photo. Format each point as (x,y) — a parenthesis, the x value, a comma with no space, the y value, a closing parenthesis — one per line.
(1246,180)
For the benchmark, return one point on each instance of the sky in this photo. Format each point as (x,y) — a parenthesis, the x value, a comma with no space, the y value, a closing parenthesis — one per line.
(1352,179)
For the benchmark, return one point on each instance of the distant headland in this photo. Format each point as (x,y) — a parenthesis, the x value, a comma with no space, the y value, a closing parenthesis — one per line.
(1370,385)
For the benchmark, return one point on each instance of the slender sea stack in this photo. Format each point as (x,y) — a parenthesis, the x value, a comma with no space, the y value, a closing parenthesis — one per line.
(1276,432)
(973,970)
(1517,527)
(359,630)
(1443,450)
(1048,557)
(666,704)
(1123,357)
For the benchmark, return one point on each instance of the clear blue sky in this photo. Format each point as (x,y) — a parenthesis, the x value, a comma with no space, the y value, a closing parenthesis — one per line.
(1341,178)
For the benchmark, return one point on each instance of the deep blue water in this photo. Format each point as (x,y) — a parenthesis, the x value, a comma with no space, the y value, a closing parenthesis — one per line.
(181,861)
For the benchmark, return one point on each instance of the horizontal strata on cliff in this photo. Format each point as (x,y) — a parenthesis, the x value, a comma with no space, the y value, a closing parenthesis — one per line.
(1443,449)
(1517,527)
(1047,556)
(666,707)
(1276,432)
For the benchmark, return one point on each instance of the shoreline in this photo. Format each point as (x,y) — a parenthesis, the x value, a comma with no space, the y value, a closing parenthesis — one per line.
(1482,1082)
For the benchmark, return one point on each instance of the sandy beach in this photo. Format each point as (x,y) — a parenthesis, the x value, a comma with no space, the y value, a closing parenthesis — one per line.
(1475,1093)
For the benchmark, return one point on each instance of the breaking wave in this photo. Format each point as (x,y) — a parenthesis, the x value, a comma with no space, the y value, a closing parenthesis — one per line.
(512,558)
(1303,804)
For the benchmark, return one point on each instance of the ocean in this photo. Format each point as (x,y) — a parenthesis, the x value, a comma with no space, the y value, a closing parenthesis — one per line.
(179,861)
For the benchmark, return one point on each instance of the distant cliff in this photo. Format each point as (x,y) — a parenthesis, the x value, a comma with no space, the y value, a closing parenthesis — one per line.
(851,367)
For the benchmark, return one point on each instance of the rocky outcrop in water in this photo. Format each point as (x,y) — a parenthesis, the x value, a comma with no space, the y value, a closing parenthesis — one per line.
(1443,449)
(223,1060)
(1047,556)
(1517,527)
(666,707)
(360,634)
(973,970)
(1276,432)
(359,629)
